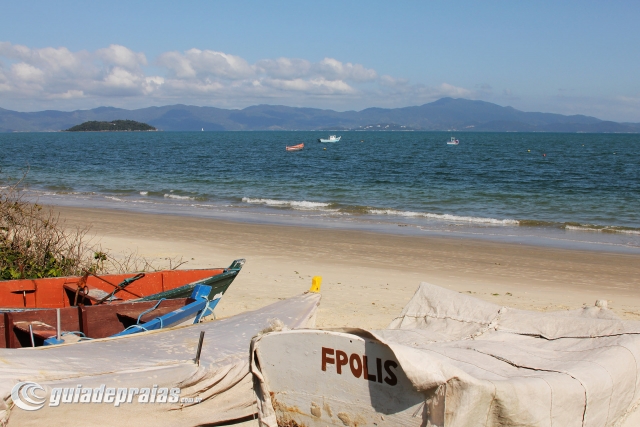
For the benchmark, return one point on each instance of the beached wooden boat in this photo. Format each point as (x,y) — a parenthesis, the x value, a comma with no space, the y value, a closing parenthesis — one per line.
(32,327)
(60,292)
(340,379)
(207,364)
(295,147)
(96,322)
(453,360)
(199,305)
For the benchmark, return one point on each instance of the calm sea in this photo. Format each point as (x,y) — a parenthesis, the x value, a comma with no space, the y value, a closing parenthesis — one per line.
(570,190)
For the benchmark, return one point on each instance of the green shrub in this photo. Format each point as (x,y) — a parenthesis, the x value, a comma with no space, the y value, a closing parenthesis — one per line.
(34,242)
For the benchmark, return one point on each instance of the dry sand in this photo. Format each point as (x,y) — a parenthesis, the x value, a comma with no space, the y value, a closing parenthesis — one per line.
(368,277)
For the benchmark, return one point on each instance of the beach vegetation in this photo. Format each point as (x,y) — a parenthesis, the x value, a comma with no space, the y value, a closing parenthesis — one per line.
(35,242)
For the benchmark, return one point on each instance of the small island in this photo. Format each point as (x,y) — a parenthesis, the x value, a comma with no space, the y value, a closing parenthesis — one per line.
(113,126)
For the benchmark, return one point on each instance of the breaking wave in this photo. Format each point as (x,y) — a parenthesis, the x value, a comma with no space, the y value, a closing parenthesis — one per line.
(177,197)
(602,229)
(444,217)
(343,210)
(303,205)
(574,226)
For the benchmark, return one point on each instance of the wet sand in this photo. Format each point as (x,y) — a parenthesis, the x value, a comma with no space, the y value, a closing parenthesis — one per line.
(368,277)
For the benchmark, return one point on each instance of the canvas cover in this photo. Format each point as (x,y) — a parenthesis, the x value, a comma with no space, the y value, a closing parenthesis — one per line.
(502,366)
(163,358)
(482,364)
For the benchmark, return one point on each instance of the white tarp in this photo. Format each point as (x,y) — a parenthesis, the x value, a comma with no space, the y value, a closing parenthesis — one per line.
(499,366)
(164,359)
(503,366)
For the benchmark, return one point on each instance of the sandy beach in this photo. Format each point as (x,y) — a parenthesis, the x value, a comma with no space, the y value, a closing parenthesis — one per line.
(368,277)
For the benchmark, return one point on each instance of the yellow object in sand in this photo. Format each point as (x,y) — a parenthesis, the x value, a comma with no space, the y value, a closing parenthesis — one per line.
(316,282)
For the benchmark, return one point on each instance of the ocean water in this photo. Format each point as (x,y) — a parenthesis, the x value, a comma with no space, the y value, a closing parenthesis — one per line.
(568,190)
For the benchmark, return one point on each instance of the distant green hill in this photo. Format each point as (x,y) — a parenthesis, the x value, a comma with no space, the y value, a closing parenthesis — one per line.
(446,114)
(113,126)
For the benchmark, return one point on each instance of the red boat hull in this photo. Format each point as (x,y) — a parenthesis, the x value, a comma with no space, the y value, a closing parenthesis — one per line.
(98,321)
(52,293)
(295,147)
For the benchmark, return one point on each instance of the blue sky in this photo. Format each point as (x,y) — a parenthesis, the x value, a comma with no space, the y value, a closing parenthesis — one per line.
(570,57)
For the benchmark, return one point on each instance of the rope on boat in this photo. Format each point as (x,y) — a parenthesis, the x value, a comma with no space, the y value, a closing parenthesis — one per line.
(136,326)
(81,335)
(149,311)
(204,311)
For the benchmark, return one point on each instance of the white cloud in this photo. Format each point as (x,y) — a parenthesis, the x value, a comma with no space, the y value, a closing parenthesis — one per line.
(390,81)
(70,94)
(191,88)
(122,57)
(60,61)
(27,73)
(445,89)
(201,63)
(116,75)
(59,74)
(121,78)
(333,69)
(315,86)
(284,68)
(327,69)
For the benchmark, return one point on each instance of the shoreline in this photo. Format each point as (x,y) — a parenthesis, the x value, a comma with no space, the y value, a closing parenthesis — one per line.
(572,238)
(368,276)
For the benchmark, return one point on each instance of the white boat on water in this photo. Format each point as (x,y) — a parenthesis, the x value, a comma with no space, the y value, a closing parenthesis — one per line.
(332,138)
(453,141)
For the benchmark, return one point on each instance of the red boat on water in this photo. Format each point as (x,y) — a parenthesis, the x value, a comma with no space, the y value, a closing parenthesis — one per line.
(295,147)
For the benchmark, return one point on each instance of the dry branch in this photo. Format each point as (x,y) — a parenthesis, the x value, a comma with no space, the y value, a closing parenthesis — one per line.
(35,242)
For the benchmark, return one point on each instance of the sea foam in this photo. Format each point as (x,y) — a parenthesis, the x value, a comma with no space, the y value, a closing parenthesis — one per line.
(177,197)
(444,217)
(304,205)
(598,229)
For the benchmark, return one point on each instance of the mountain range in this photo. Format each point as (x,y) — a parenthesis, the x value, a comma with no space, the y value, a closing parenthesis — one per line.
(441,115)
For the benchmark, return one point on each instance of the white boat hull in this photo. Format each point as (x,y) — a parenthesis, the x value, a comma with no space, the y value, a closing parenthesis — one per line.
(330,139)
(319,378)
(473,362)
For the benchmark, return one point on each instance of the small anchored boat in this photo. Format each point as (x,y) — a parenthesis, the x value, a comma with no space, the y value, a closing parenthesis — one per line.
(332,138)
(295,147)
(453,141)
